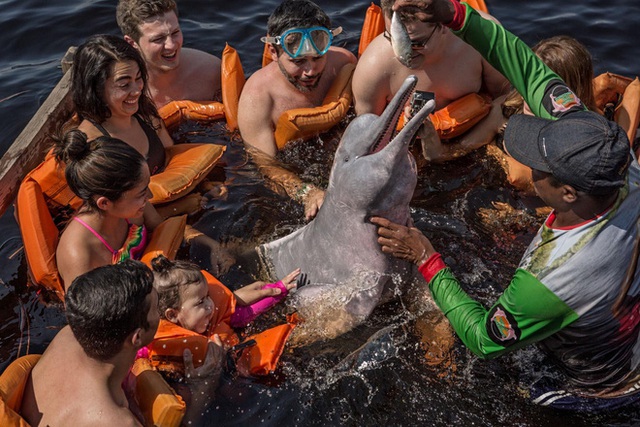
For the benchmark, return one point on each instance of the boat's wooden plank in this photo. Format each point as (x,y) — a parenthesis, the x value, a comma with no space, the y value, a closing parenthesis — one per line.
(29,148)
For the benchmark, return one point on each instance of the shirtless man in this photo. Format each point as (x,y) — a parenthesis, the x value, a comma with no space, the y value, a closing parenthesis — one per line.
(303,68)
(444,65)
(78,380)
(151,26)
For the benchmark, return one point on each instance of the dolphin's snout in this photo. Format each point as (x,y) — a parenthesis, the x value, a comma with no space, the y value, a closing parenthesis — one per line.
(388,120)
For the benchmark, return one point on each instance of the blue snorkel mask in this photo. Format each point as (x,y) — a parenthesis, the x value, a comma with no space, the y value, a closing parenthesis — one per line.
(304,41)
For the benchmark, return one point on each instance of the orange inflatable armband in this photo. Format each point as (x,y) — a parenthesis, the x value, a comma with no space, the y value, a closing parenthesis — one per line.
(460,115)
(42,191)
(159,403)
(165,239)
(627,114)
(12,384)
(262,358)
(306,122)
(187,165)
(372,27)
(607,88)
(177,111)
(232,83)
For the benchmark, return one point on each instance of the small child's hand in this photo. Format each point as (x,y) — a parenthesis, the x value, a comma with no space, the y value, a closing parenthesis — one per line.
(289,281)
(249,294)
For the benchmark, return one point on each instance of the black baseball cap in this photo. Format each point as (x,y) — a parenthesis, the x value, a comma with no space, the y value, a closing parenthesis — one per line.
(581,149)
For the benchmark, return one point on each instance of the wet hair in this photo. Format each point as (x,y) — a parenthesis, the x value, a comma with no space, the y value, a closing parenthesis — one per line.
(170,277)
(105,305)
(296,14)
(103,167)
(92,65)
(131,14)
(568,58)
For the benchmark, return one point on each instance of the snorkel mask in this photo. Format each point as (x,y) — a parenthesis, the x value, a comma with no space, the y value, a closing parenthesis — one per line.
(304,41)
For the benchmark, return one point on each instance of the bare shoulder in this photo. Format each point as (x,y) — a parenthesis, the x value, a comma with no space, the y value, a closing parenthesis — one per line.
(73,245)
(339,57)
(258,84)
(378,57)
(200,75)
(199,58)
(78,252)
(89,129)
(375,66)
(115,416)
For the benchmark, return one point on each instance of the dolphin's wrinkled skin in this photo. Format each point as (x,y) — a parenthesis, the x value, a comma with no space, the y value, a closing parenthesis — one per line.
(372,175)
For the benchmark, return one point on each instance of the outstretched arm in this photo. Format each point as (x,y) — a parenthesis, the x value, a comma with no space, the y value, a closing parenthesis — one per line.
(307,194)
(526,312)
(264,296)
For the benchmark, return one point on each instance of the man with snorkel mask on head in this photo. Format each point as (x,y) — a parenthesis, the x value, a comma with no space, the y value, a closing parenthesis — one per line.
(304,65)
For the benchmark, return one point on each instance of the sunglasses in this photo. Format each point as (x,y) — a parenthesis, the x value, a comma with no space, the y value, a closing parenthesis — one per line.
(304,41)
(415,45)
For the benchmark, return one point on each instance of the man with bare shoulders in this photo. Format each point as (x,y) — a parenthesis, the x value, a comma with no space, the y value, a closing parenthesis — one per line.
(151,26)
(303,69)
(78,380)
(444,65)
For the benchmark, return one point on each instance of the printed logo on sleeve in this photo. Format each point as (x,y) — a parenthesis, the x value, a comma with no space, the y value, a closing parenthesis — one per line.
(502,327)
(563,99)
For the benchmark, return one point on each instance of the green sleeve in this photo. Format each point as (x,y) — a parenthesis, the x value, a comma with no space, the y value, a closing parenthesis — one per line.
(526,312)
(512,57)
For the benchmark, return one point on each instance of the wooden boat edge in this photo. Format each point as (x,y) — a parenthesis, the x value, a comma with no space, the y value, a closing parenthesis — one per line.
(30,147)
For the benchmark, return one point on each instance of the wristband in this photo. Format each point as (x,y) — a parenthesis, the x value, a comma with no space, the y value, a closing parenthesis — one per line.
(278,284)
(302,192)
(458,17)
(432,266)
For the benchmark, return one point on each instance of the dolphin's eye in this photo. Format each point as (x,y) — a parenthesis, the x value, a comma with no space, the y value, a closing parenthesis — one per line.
(346,159)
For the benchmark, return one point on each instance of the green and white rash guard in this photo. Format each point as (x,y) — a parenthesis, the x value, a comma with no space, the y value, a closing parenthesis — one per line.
(563,293)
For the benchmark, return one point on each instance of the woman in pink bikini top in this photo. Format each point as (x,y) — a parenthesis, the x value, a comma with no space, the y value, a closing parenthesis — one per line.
(112,179)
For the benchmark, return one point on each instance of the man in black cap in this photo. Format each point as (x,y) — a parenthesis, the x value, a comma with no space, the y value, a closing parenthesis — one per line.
(577,289)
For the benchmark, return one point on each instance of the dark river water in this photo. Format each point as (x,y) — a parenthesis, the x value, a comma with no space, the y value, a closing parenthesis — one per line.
(378,373)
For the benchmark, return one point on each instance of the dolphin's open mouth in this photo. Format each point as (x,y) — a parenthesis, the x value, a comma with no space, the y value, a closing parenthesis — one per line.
(392,115)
